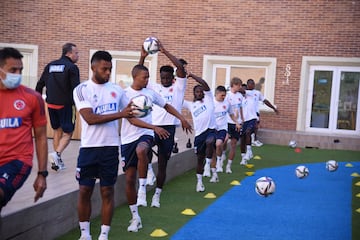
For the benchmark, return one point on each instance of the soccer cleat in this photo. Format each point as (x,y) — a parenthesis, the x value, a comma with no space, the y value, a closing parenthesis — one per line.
(135,225)
(141,199)
(85,238)
(151,178)
(200,187)
(155,202)
(54,161)
(214,178)
(207,170)
(228,169)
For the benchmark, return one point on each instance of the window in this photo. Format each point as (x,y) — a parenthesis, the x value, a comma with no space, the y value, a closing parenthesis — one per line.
(329,96)
(218,70)
(30,62)
(123,62)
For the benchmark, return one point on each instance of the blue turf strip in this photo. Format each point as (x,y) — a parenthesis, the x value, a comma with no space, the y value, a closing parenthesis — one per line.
(317,207)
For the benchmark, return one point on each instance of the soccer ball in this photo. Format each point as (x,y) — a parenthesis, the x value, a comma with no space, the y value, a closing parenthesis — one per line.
(292,144)
(141,106)
(265,186)
(332,165)
(301,172)
(151,45)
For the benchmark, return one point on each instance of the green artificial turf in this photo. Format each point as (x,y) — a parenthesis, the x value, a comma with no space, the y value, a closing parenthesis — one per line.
(179,194)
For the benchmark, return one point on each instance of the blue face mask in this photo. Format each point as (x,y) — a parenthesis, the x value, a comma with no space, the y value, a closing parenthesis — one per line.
(12,80)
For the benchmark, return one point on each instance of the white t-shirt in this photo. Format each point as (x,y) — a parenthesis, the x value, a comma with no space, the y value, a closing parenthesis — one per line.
(202,113)
(251,104)
(104,99)
(235,100)
(129,132)
(221,113)
(173,95)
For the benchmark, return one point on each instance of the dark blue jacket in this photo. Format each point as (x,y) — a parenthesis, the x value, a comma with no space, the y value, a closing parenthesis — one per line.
(60,77)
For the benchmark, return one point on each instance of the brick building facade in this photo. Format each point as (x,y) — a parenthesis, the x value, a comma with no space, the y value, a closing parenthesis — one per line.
(273,34)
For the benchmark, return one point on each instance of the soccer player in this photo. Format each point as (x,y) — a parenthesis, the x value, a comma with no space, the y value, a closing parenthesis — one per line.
(172,90)
(22,111)
(235,98)
(202,112)
(99,103)
(221,112)
(136,143)
(250,113)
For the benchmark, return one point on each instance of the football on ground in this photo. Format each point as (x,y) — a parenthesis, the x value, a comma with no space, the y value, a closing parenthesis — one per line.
(332,165)
(265,186)
(301,172)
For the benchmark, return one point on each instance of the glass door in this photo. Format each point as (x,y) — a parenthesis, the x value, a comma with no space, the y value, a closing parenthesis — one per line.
(333,104)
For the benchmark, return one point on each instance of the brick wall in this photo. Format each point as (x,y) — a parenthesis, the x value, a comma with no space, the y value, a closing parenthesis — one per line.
(286,30)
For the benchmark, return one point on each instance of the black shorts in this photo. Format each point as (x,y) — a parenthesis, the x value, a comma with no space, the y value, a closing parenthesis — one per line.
(200,141)
(98,162)
(165,146)
(12,177)
(128,151)
(64,118)
(233,133)
(249,127)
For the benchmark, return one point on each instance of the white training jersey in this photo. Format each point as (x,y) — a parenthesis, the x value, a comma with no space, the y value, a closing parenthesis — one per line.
(104,99)
(173,95)
(221,113)
(251,104)
(202,113)
(235,100)
(129,132)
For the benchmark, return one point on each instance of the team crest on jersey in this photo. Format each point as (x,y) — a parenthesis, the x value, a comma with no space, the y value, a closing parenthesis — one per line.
(113,94)
(171,90)
(224,106)
(19,104)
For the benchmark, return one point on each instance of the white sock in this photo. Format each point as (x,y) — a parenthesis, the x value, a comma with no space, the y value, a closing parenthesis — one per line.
(158,191)
(199,178)
(134,211)
(213,170)
(243,155)
(85,228)
(142,185)
(208,160)
(150,167)
(248,148)
(218,159)
(229,162)
(104,231)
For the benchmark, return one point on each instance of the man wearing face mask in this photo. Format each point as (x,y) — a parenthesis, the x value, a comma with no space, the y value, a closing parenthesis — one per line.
(21,111)
(60,77)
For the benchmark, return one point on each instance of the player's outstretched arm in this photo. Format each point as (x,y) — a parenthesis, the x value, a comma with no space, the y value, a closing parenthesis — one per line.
(201,81)
(180,70)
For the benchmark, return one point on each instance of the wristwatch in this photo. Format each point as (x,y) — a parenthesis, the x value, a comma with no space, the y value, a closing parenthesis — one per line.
(43,173)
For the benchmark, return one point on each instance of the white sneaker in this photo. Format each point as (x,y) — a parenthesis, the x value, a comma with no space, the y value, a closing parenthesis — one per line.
(214,178)
(248,156)
(219,167)
(85,238)
(61,164)
(135,225)
(151,178)
(155,202)
(243,161)
(257,143)
(54,161)
(141,199)
(102,237)
(228,169)
(200,187)
(207,170)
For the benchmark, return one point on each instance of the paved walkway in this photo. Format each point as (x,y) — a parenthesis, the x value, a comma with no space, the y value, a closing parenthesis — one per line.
(60,183)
